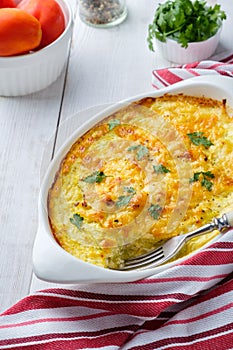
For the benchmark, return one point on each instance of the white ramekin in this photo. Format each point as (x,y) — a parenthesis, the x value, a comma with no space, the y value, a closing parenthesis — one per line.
(25,74)
(196,51)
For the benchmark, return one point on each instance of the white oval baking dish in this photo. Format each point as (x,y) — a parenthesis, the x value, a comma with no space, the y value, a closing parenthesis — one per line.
(51,262)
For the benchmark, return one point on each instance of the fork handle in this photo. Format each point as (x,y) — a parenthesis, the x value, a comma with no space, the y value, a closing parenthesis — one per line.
(220,224)
(225,221)
(229,217)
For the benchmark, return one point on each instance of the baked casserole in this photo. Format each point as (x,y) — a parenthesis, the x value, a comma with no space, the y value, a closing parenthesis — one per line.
(156,168)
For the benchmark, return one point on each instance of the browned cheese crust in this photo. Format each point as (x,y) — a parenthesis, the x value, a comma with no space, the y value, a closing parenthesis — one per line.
(156,168)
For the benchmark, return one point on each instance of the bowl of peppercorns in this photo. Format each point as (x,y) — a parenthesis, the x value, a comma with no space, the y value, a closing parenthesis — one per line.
(102,13)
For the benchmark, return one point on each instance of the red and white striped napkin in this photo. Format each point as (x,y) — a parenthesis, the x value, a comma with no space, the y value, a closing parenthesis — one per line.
(171,75)
(188,307)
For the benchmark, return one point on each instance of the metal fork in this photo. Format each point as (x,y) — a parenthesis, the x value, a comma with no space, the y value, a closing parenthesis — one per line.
(170,248)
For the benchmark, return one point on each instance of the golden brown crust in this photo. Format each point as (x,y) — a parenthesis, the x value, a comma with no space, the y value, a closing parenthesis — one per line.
(138,177)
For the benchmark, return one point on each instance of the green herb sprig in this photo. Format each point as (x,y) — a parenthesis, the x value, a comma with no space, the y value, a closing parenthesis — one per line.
(113,123)
(124,200)
(142,151)
(198,138)
(155,211)
(203,177)
(185,21)
(95,177)
(77,220)
(160,169)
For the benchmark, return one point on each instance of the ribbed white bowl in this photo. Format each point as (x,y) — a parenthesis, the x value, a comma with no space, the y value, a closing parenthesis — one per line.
(25,74)
(196,51)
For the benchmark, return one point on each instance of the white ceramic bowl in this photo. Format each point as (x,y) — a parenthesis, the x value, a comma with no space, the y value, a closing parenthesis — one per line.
(196,51)
(51,262)
(25,74)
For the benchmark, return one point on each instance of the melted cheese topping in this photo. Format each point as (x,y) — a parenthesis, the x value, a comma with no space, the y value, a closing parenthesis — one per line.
(155,169)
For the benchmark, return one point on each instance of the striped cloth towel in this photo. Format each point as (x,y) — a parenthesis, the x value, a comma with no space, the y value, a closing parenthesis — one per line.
(187,307)
(171,75)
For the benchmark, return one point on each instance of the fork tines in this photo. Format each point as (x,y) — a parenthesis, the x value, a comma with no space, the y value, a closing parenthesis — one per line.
(144,260)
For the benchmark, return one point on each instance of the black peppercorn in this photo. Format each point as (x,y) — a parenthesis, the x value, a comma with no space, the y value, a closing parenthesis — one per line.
(100,12)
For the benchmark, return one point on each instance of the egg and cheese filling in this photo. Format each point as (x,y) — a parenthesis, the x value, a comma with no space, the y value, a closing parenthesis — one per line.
(157,168)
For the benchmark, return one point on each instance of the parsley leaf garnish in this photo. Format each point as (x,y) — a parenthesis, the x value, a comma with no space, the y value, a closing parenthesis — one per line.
(142,151)
(96,177)
(155,211)
(77,220)
(203,177)
(113,123)
(160,169)
(124,200)
(130,189)
(185,21)
(197,139)
(207,184)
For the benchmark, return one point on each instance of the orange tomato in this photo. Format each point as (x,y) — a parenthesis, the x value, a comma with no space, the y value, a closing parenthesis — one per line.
(7,3)
(20,32)
(50,15)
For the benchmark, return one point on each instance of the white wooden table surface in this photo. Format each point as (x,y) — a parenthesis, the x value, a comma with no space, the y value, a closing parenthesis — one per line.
(105,66)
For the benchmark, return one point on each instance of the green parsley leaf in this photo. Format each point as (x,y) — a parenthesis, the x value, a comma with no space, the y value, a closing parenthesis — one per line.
(208,174)
(207,184)
(132,148)
(77,220)
(155,211)
(204,176)
(195,177)
(160,169)
(130,189)
(113,123)
(142,151)
(185,21)
(96,177)
(197,139)
(123,201)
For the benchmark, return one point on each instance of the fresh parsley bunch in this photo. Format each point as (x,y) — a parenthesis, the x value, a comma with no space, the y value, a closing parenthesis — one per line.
(185,21)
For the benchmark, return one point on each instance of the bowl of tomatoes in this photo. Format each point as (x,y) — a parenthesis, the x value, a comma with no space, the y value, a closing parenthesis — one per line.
(35,38)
